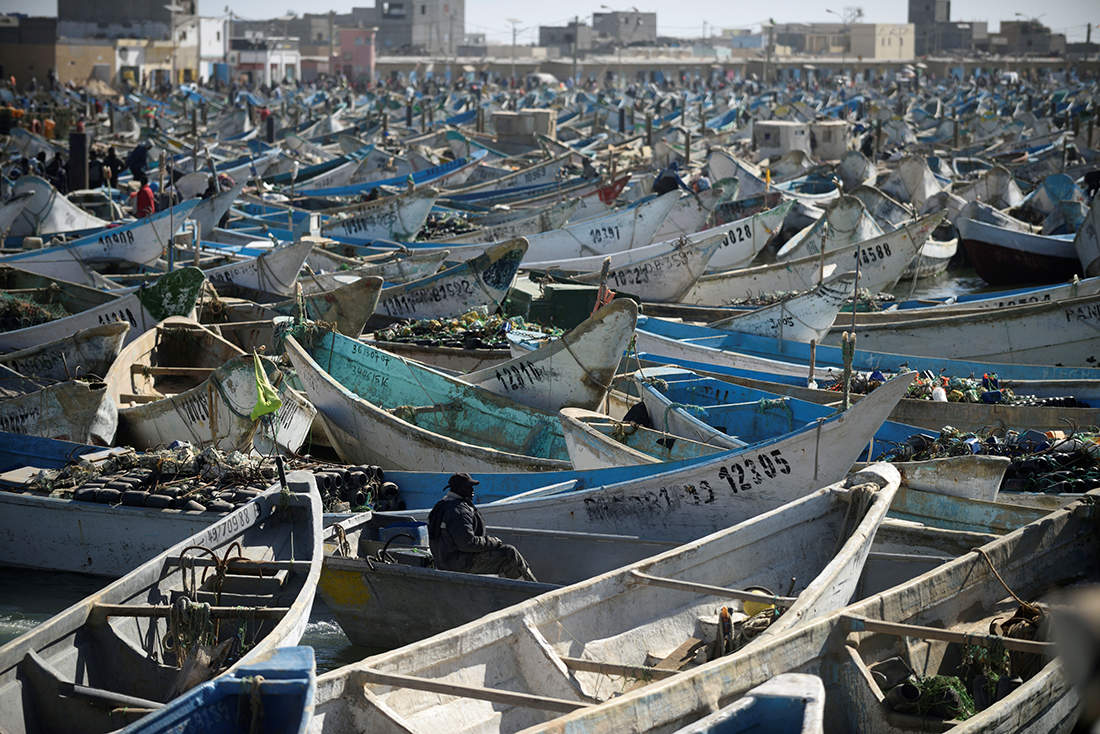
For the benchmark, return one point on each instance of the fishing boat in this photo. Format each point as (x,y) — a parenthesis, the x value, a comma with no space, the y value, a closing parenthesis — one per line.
(554,653)
(900,639)
(167,626)
(574,370)
(880,261)
(800,317)
(137,243)
(927,414)
(88,352)
(180,381)
(664,277)
(1004,256)
(739,242)
(684,499)
(77,411)
(279,699)
(328,272)
(172,294)
(482,281)
(348,307)
(375,588)
(382,409)
(1056,332)
(1087,241)
(389,218)
(274,272)
(46,212)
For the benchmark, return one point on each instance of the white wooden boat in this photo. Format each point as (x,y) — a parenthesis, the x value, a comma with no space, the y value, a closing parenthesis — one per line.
(348,307)
(381,409)
(380,604)
(88,352)
(924,622)
(76,411)
(144,639)
(912,183)
(329,267)
(595,640)
(10,211)
(1057,332)
(880,261)
(481,281)
(390,218)
(1087,240)
(48,212)
(692,212)
(172,294)
(179,380)
(856,170)
(595,441)
(274,272)
(685,499)
(208,212)
(739,242)
(518,223)
(140,242)
(846,222)
(995,187)
(573,371)
(932,260)
(663,278)
(803,317)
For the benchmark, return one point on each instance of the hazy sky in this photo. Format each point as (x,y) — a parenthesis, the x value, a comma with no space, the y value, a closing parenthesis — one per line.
(679,18)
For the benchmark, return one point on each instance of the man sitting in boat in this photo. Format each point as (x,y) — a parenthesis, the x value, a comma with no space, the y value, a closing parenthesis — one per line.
(457,536)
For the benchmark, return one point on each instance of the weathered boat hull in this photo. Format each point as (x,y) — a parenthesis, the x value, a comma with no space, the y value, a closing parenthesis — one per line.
(365,432)
(173,294)
(573,371)
(1031,560)
(71,411)
(89,351)
(108,646)
(481,281)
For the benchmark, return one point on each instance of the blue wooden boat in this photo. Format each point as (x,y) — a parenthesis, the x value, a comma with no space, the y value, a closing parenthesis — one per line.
(792,358)
(18,450)
(383,409)
(709,410)
(272,696)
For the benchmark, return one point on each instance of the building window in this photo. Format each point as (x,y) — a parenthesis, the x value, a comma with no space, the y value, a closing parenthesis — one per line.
(217,35)
(423,9)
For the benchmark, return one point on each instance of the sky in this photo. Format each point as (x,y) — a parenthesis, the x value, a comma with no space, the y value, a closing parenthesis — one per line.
(489,16)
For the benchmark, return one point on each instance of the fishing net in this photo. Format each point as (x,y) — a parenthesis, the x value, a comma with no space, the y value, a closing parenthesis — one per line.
(19,313)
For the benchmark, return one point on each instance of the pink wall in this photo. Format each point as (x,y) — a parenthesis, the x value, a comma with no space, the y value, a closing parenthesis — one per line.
(357,52)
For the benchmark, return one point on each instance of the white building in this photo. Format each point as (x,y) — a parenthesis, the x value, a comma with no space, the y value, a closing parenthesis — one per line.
(883,41)
(266,60)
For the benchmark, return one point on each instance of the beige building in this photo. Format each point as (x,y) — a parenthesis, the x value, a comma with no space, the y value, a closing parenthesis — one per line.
(882,41)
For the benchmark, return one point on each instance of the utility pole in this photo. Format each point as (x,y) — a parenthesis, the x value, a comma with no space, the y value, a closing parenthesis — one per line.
(515,30)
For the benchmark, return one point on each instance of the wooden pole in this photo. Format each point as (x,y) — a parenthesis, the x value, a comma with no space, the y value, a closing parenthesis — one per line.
(863,624)
(779,601)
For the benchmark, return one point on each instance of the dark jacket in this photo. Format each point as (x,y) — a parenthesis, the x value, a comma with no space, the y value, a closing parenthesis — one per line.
(456,533)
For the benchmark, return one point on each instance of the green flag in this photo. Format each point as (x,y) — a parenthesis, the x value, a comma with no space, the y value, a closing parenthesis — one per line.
(267,400)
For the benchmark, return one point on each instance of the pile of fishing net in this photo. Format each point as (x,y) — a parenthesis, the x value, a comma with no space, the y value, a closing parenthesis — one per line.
(1049,461)
(472,330)
(19,313)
